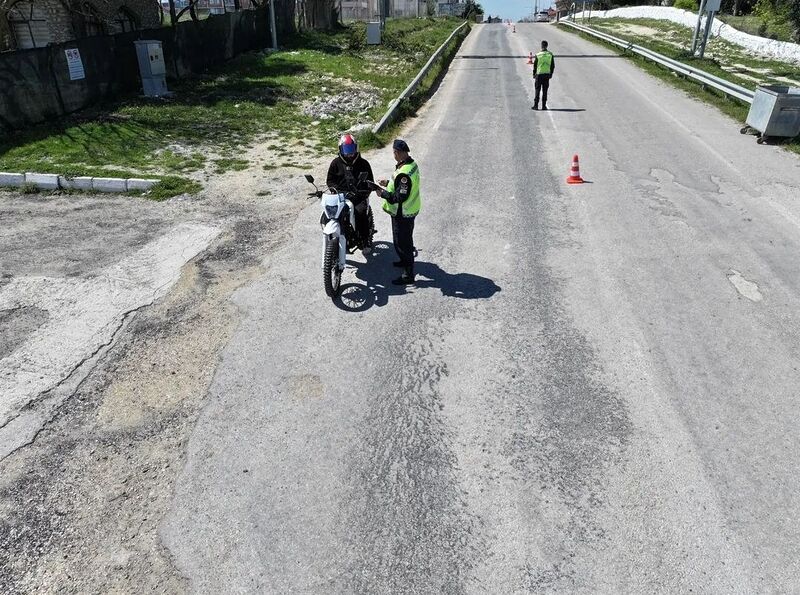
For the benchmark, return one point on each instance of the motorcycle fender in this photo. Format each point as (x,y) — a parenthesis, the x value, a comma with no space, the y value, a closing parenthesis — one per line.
(332,228)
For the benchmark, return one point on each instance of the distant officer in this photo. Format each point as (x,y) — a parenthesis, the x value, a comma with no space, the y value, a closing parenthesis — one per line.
(401,199)
(544,65)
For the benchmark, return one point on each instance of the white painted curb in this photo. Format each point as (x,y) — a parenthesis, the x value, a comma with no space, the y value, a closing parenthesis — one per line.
(54,182)
(79,183)
(12,180)
(43,181)
(110,185)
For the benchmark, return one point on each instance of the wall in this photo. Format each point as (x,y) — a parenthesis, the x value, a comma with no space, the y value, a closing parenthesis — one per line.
(35,84)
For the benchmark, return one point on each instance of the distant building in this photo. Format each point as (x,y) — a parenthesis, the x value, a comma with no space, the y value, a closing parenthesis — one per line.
(28,24)
(453,9)
(367,10)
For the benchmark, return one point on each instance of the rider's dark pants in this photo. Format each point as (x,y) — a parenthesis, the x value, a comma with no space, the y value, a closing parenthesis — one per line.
(403,237)
(362,218)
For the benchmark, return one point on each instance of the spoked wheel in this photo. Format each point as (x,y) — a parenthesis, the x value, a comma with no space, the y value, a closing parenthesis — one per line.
(330,269)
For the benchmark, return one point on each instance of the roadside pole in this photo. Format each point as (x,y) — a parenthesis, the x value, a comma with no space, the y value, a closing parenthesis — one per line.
(272,25)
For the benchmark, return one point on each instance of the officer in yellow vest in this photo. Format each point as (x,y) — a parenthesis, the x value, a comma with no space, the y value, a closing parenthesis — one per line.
(401,199)
(544,65)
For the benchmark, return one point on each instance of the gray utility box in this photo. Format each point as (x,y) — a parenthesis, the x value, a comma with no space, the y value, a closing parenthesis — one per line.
(775,111)
(374,33)
(152,67)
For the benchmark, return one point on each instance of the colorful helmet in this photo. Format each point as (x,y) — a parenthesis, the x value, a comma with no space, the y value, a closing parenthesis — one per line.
(348,148)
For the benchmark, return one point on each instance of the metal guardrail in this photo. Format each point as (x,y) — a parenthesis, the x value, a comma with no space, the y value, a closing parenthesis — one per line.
(387,117)
(704,78)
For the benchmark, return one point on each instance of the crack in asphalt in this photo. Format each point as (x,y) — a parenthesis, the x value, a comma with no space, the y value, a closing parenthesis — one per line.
(44,395)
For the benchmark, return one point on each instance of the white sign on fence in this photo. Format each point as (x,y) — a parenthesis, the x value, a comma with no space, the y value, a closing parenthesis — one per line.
(712,5)
(75,64)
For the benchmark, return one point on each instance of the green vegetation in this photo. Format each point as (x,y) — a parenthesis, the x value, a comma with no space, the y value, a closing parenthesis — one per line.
(722,58)
(664,44)
(230,164)
(256,98)
(29,188)
(686,4)
(172,186)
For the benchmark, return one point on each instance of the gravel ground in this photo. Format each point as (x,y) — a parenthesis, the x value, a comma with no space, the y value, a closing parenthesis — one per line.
(79,507)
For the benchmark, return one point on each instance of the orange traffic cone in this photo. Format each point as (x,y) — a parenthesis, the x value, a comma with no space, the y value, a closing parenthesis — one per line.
(530,57)
(575,172)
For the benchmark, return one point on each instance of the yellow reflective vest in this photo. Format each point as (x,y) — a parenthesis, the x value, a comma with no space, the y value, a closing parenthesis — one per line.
(544,62)
(413,203)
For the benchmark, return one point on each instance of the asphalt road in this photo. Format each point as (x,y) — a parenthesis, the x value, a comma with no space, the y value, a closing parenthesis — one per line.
(590,389)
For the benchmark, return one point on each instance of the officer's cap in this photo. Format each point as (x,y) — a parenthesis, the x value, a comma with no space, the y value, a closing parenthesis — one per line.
(400,145)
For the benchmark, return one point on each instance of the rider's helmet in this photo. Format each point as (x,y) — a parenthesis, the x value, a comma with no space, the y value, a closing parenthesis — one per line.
(348,148)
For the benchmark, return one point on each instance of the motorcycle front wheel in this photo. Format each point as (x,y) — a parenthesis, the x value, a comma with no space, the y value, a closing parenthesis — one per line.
(332,274)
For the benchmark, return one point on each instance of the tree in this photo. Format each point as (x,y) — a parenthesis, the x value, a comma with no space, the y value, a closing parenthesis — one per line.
(320,15)
(472,10)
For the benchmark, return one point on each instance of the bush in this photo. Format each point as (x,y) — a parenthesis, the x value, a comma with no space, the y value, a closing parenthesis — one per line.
(686,5)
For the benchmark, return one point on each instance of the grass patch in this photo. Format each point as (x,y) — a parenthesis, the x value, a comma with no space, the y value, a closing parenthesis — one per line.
(252,98)
(170,186)
(230,164)
(730,106)
(755,25)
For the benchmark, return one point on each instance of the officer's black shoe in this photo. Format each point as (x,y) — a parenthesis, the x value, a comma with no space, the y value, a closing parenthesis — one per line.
(404,279)
(544,108)
(535,107)
(397,263)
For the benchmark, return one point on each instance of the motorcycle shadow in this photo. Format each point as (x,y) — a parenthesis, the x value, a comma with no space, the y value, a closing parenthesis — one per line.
(377,274)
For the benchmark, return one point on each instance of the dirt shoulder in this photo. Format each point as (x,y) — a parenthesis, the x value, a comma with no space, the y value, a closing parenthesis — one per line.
(79,507)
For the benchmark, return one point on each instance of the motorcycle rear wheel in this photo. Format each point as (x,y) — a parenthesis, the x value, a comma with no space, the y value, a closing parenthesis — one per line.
(332,274)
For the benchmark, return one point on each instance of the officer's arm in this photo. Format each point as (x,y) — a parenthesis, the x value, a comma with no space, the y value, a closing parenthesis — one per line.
(402,190)
(535,60)
(552,65)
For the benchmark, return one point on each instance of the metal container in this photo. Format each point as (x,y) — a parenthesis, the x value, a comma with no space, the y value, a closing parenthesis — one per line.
(152,67)
(374,33)
(775,111)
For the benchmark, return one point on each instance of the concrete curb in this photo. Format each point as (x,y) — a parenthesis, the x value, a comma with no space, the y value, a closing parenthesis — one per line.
(54,182)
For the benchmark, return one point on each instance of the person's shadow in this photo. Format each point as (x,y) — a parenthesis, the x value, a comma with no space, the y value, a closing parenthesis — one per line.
(378,272)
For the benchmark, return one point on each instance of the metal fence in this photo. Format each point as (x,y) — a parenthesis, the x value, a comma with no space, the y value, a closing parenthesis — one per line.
(700,76)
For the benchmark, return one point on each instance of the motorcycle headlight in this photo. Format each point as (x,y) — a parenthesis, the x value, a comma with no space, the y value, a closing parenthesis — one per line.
(330,211)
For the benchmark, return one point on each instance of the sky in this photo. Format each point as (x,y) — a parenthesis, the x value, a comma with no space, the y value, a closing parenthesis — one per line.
(512,9)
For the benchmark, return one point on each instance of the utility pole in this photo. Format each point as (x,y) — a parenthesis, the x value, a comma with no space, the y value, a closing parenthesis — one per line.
(272,25)
(710,7)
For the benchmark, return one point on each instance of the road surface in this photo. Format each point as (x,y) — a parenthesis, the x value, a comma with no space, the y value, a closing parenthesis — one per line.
(590,389)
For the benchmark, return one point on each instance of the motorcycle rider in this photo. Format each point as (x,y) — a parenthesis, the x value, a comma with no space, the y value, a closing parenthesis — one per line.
(343,175)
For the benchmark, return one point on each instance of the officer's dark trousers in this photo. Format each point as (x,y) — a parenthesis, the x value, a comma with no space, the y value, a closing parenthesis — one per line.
(540,85)
(403,237)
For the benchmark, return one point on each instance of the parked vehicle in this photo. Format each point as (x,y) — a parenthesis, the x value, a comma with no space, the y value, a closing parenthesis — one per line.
(541,17)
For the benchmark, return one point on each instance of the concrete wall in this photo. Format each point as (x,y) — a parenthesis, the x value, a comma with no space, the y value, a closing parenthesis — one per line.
(65,19)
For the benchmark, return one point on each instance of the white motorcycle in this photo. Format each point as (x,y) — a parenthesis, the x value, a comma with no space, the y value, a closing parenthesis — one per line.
(339,235)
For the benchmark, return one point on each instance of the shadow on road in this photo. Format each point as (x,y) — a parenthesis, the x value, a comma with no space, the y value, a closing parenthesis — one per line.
(564,109)
(378,272)
(559,56)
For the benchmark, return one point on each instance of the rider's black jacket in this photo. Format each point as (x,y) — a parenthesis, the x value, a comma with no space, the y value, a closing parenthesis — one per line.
(343,177)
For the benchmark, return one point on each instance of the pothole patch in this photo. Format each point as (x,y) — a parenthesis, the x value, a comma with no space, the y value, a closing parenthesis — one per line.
(746,288)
